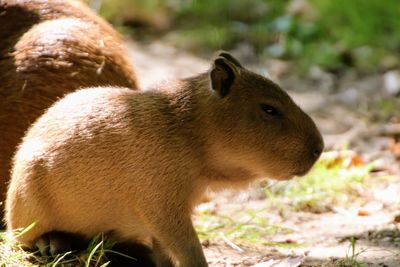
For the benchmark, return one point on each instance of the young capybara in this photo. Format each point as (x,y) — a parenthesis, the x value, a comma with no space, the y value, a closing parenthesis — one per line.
(135,163)
(47,49)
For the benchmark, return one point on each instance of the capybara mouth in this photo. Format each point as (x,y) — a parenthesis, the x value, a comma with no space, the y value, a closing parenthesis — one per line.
(303,169)
(301,173)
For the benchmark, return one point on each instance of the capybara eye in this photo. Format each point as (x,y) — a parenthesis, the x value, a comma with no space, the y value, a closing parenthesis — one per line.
(270,110)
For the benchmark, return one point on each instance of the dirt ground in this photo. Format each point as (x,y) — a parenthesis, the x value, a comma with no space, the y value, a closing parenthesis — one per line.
(340,108)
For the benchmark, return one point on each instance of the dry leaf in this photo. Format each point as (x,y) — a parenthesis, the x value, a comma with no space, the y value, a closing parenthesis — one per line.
(362,213)
(355,161)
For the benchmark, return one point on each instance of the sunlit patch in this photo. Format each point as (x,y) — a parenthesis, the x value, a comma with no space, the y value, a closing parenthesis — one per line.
(32,148)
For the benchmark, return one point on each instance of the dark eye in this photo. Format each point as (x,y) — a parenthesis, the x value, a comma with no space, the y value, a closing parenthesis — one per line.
(270,110)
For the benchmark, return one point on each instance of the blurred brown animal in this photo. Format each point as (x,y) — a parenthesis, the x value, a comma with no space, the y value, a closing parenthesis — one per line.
(47,49)
(135,163)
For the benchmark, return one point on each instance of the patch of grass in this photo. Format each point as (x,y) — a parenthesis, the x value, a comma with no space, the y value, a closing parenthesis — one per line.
(351,259)
(337,178)
(246,227)
(12,255)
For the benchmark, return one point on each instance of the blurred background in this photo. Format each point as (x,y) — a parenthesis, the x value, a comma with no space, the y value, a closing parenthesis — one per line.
(334,35)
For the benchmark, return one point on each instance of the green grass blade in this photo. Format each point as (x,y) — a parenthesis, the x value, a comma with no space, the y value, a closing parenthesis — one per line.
(60,259)
(92,253)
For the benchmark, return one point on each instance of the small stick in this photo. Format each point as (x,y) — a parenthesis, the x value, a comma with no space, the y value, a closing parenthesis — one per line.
(231,244)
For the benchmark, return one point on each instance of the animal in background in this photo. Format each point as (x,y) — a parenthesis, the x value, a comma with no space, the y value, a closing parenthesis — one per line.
(48,49)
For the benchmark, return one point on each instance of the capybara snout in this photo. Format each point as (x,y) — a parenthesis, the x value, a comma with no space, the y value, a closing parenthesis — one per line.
(260,125)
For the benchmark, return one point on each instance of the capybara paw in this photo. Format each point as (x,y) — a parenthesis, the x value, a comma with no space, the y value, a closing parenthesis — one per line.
(55,242)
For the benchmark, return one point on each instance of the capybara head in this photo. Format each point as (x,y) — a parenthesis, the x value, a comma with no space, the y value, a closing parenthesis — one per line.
(259,127)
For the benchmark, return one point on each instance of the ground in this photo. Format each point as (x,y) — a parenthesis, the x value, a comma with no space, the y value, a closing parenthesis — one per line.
(350,110)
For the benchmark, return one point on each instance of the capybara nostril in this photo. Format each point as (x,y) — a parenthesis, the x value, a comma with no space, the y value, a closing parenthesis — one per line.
(318,150)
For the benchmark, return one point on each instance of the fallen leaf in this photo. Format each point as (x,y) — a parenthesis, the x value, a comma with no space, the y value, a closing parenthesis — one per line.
(363,213)
(370,208)
(355,161)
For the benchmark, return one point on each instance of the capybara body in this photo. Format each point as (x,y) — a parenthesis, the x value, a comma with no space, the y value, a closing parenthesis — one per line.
(134,164)
(47,49)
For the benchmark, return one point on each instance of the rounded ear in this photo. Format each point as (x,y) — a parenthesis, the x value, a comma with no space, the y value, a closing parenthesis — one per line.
(222,75)
(229,57)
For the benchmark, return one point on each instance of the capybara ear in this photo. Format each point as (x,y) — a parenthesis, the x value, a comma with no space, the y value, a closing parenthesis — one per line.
(222,75)
(229,57)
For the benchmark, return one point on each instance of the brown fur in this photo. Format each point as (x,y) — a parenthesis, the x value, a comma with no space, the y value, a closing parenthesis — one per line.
(136,163)
(47,49)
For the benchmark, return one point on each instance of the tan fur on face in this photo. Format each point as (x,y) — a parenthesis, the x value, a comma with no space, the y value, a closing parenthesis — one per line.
(47,49)
(136,163)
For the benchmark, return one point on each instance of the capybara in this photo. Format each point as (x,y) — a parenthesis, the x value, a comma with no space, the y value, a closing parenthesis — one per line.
(48,49)
(135,163)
